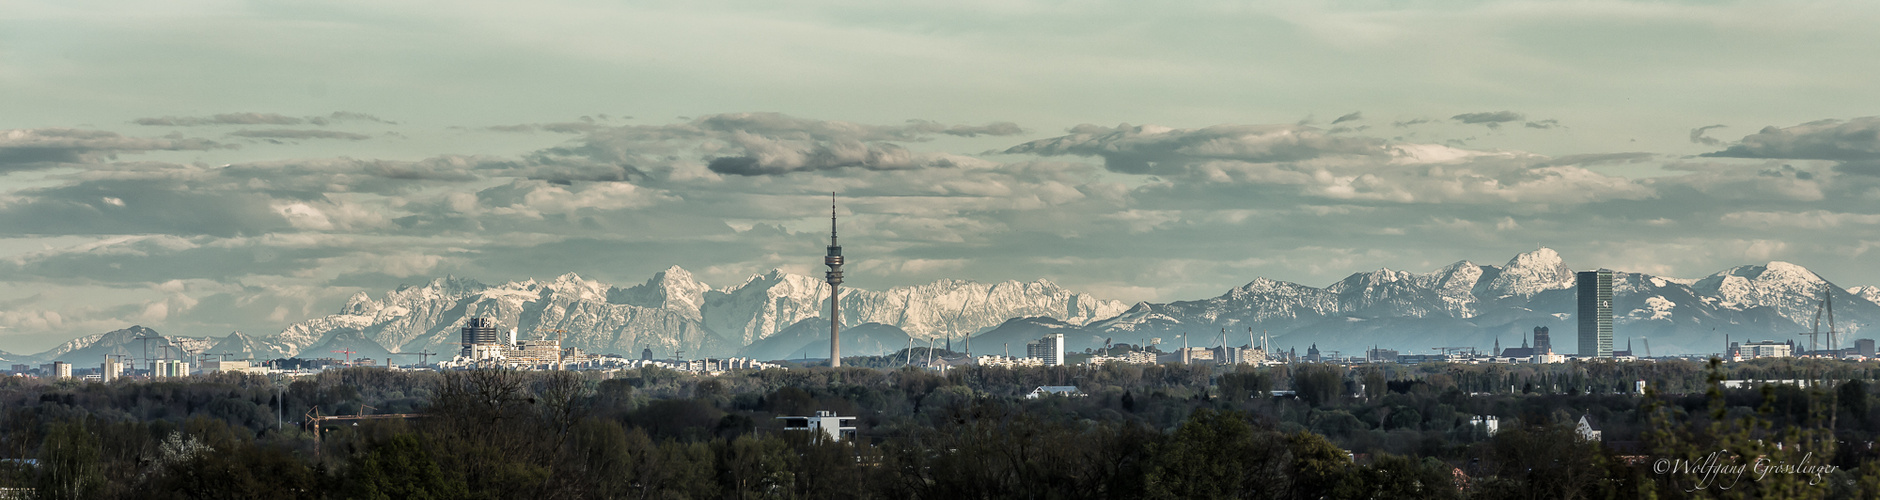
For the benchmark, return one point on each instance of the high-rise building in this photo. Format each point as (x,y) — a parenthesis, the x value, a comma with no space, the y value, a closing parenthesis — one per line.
(1542,343)
(111,369)
(1595,312)
(479,331)
(1050,349)
(1864,347)
(834,276)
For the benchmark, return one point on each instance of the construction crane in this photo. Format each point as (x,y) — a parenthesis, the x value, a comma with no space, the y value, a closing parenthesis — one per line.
(348,354)
(314,421)
(146,340)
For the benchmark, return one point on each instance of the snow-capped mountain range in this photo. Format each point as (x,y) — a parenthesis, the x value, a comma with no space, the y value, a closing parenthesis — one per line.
(673,311)
(1462,304)
(1468,304)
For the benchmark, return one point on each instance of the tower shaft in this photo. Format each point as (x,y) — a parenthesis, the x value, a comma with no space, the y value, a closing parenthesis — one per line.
(834,276)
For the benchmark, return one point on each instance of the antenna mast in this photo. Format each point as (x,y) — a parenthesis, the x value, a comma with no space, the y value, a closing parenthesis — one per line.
(834,276)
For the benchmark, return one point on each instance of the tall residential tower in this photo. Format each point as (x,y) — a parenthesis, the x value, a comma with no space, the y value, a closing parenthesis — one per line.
(1595,312)
(834,261)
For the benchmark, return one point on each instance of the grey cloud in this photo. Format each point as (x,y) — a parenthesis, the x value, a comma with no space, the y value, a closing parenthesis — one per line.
(1852,140)
(23,149)
(221,119)
(1697,136)
(1150,149)
(1407,123)
(747,144)
(347,116)
(131,207)
(1491,119)
(258,119)
(1353,116)
(1599,158)
(1543,124)
(992,129)
(299,134)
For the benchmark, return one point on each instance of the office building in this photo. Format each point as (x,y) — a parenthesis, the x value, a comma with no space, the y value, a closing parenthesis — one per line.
(1763,349)
(166,368)
(1864,347)
(59,369)
(479,331)
(1595,312)
(1050,349)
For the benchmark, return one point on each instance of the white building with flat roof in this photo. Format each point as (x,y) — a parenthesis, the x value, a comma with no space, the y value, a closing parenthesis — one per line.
(827,424)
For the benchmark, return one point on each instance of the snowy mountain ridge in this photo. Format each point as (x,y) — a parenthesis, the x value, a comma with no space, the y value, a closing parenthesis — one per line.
(673,311)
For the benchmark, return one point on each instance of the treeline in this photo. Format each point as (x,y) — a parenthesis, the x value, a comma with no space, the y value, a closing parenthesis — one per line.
(1382,431)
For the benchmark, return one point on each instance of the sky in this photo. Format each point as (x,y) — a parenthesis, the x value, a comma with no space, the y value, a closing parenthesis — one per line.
(201,167)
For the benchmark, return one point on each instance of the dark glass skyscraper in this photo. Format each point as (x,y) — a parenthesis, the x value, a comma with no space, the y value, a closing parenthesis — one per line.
(479,330)
(1595,315)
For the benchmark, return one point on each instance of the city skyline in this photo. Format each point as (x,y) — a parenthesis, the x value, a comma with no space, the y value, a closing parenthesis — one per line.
(155,174)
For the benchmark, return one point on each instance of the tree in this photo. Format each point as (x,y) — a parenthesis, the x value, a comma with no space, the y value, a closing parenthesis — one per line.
(1218,455)
(68,463)
(1318,384)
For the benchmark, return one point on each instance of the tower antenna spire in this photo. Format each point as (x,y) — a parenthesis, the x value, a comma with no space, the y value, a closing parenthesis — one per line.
(834,276)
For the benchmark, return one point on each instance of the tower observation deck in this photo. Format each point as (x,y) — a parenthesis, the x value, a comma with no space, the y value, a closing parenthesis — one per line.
(834,276)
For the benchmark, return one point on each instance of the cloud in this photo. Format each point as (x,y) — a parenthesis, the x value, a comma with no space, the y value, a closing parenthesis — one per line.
(221,119)
(1491,119)
(347,116)
(25,149)
(299,134)
(1697,135)
(1543,124)
(1407,123)
(1353,116)
(1151,149)
(747,144)
(1599,158)
(992,129)
(257,119)
(1852,140)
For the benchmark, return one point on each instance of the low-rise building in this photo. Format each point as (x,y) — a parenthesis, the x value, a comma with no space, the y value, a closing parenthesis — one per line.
(826,425)
(1007,361)
(1054,390)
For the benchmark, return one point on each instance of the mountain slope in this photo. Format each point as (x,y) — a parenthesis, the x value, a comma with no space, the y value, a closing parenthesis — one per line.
(92,349)
(810,339)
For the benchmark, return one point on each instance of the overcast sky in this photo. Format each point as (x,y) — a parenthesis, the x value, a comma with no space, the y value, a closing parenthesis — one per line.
(206,166)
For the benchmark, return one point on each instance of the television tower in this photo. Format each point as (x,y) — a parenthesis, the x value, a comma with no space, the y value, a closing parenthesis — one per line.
(834,261)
